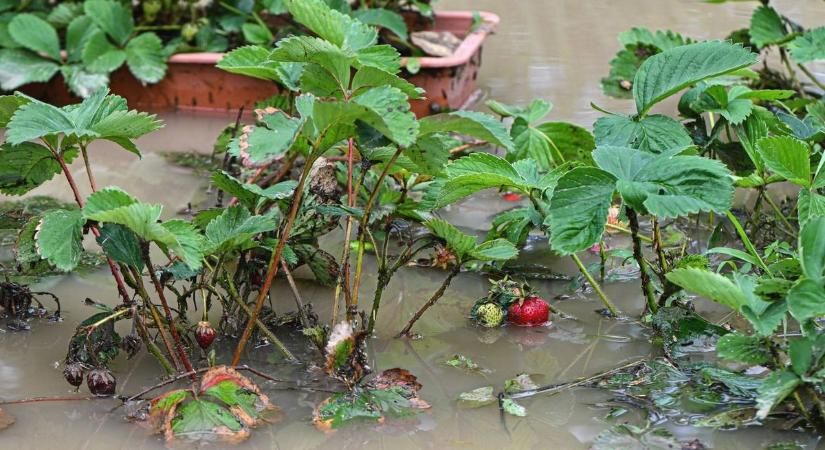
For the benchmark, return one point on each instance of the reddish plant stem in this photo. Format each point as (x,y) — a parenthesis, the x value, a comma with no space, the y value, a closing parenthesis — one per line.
(49,399)
(274,264)
(166,310)
(121,286)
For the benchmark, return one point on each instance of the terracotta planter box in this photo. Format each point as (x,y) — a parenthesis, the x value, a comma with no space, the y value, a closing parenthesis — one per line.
(193,83)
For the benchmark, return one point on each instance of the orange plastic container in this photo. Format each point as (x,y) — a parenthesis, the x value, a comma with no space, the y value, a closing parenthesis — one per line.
(193,83)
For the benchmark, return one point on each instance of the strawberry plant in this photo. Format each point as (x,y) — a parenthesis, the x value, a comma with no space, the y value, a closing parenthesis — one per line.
(85,42)
(98,37)
(767,295)
(346,90)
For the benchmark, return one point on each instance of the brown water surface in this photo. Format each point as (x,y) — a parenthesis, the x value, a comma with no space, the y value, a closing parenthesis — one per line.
(553,49)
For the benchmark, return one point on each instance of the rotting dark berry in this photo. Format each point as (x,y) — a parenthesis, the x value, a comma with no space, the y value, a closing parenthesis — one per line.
(73,373)
(101,382)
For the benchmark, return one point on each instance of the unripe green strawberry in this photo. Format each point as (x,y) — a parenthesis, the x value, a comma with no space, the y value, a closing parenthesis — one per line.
(189,31)
(489,315)
(151,8)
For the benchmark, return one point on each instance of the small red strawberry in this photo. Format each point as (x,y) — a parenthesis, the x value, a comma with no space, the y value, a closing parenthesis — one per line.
(205,334)
(530,312)
(511,197)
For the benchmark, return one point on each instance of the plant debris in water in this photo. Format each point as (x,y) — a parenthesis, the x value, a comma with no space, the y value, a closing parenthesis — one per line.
(392,393)
(223,408)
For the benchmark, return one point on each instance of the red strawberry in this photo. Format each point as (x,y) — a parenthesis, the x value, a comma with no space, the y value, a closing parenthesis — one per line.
(530,312)
(511,197)
(204,334)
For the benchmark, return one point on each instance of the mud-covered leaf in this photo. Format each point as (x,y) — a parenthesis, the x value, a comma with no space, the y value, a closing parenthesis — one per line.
(729,420)
(6,419)
(341,409)
(743,348)
(226,405)
(477,397)
(521,382)
(628,437)
(514,409)
(774,390)
(393,392)
(684,332)
(463,362)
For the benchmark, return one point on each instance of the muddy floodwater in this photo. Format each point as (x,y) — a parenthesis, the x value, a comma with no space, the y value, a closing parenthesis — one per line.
(553,49)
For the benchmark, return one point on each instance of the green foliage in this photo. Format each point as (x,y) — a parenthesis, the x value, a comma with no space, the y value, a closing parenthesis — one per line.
(766,27)
(234,229)
(709,285)
(100,116)
(810,46)
(665,185)
(99,37)
(673,70)
(638,44)
(26,166)
(469,123)
(464,246)
(35,34)
(59,238)
(786,157)
(113,205)
(578,212)
(655,133)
